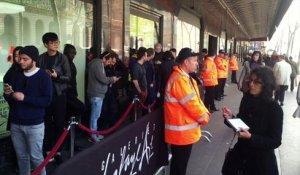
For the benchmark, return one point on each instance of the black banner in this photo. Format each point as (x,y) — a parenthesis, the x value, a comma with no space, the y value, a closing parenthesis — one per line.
(139,148)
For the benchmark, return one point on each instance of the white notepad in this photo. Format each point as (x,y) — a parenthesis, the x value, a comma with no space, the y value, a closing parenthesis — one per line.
(238,124)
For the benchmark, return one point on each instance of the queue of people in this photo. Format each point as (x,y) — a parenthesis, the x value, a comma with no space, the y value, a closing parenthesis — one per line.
(41,91)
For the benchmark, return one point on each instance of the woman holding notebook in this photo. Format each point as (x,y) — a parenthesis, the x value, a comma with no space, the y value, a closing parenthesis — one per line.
(254,150)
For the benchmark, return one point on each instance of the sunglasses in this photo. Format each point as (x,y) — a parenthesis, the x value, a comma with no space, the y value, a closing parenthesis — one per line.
(255,81)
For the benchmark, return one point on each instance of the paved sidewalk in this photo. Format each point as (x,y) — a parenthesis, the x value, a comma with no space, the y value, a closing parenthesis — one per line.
(207,158)
(289,150)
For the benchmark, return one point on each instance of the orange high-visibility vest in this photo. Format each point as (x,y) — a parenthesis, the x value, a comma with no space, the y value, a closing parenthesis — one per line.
(233,64)
(222,66)
(209,72)
(183,109)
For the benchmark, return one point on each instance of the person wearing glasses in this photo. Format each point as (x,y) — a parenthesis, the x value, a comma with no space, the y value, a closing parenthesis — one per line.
(57,66)
(254,151)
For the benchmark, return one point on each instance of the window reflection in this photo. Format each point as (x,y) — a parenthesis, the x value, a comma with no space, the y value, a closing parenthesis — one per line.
(142,32)
(187,35)
(23,22)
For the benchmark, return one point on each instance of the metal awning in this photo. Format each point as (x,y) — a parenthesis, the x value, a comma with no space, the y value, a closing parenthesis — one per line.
(241,19)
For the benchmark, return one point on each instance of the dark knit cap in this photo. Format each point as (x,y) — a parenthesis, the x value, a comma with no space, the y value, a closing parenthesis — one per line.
(30,51)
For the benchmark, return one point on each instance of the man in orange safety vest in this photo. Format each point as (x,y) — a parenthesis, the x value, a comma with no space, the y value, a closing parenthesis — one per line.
(233,66)
(209,76)
(222,68)
(184,111)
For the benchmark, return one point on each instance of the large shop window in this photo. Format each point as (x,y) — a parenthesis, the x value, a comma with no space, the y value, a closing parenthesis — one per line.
(24,22)
(187,36)
(142,32)
(187,31)
(145,26)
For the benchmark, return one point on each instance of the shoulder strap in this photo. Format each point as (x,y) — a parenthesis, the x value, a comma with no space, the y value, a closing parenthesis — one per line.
(231,143)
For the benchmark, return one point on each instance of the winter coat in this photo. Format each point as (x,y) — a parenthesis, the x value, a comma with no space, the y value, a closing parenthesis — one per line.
(265,120)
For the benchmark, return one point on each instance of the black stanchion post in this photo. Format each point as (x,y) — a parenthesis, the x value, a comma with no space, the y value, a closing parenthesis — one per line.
(136,101)
(72,135)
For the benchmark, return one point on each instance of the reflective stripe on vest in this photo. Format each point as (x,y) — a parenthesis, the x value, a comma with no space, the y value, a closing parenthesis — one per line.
(209,70)
(209,79)
(171,82)
(168,97)
(182,101)
(185,127)
(203,117)
(182,127)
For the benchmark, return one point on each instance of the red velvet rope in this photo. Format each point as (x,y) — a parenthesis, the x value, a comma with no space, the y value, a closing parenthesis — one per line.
(66,131)
(149,106)
(109,130)
(52,153)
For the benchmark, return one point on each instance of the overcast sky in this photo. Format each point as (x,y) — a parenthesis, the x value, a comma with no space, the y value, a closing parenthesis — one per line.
(291,17)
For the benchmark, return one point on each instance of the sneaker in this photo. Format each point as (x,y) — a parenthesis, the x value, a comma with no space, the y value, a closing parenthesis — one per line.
(93,140)
(46,154)
(51,160)
(100,137)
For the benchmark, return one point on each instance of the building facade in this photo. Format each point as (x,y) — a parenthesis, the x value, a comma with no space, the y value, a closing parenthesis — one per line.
(115,24)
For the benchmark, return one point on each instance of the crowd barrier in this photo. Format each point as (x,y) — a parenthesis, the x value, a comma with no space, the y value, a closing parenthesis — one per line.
(162,145)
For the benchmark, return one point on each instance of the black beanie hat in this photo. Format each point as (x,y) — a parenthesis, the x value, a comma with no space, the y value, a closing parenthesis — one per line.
(30,51)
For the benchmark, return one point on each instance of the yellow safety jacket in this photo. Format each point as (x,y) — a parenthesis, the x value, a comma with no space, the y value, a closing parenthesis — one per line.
(222,67)
(233,64)
(183,109)
(209,72)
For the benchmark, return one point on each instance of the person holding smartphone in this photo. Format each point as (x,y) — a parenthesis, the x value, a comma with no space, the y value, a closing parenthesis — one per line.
(254,151)
(57,66)
(28,94)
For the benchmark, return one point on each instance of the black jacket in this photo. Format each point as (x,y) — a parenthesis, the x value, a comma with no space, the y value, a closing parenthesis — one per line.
(164,73)
(62,67)
(265,120)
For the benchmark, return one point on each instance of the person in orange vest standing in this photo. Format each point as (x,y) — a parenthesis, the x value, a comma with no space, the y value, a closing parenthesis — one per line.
(209,76)
(184,111)
(222,69)
(233,66)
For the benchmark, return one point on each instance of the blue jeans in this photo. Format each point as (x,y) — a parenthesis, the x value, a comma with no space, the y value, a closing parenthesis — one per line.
(28,144)
(96,107)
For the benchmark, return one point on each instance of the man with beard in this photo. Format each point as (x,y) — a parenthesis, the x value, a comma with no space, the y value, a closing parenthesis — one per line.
(29,94)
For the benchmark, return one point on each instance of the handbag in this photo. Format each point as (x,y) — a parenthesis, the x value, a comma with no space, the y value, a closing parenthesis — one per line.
(232,163)
(297,112)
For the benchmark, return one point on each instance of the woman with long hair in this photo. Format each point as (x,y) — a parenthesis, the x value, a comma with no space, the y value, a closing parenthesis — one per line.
(255,62)
(11,72)
(254,151)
